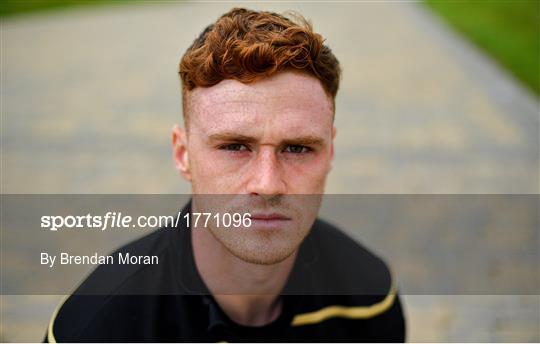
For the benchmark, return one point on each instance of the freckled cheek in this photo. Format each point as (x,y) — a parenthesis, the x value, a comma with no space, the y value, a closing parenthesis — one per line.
(203,165)
(307,176)
(229,162)
(216,171)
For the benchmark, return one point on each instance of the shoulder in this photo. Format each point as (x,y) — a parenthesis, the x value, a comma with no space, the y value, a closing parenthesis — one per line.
(351,267)
(349,287)
(128,274)
(109,290)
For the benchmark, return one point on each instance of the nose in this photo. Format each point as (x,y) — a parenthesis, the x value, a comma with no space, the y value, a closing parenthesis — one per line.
(266,175)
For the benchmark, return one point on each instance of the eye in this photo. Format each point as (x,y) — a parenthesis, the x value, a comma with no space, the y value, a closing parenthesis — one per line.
(235,147)
(297,149)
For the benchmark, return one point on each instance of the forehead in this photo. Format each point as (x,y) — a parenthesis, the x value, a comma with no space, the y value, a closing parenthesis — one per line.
(293,100)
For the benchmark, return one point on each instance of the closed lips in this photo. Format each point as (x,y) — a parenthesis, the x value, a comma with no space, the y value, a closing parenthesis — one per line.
(269,217)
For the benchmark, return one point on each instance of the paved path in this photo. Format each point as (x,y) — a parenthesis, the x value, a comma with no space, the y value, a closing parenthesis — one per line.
(90,96)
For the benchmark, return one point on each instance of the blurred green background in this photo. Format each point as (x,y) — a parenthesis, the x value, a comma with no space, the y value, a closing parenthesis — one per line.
(506,30)
(12,8)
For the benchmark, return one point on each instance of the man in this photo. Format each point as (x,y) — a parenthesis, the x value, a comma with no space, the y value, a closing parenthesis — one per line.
(258,95)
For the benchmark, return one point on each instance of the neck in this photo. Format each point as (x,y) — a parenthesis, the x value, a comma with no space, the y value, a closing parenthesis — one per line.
(248,293)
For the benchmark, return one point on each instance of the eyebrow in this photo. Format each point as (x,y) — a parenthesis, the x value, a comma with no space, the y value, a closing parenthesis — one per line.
(235,137)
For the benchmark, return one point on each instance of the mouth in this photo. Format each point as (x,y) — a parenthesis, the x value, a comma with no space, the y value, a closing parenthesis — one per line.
(269,221)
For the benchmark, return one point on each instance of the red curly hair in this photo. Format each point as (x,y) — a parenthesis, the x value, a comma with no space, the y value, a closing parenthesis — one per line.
(248,45)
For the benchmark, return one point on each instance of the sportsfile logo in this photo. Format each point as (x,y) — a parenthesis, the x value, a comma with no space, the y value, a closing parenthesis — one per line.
(111,220)
(117,220)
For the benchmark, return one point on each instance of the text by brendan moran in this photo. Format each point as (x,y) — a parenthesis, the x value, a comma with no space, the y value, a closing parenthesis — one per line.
(95,259)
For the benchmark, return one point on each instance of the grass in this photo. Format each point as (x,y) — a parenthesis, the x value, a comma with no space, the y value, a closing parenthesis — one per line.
(11,8)
(508,30)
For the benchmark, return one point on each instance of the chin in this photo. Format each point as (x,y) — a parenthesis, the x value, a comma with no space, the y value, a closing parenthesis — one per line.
(262,252)
(256,257)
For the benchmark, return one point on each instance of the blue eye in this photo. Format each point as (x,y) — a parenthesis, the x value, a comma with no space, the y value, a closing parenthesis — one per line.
(235,147)
(297,149)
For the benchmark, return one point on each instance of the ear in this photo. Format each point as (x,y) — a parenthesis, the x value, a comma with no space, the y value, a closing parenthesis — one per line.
(334,131)
(180,152)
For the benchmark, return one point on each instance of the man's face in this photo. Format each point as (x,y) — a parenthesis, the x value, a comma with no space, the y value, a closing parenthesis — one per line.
(260,144)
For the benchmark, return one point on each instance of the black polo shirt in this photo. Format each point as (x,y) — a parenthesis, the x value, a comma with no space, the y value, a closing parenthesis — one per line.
(337,291)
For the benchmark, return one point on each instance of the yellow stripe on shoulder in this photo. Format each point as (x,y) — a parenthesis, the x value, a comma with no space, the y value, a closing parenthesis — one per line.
(50,329)
(355,312)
